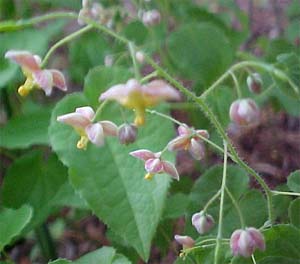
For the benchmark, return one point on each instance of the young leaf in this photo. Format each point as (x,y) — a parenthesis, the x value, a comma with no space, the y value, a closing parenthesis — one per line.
(294,212)
(294,181)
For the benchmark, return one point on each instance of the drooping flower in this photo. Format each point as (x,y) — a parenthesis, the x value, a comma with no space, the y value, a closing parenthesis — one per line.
(35,76)
(202,222)
(127,133)
(188,139)
(185,241)
(244,112)
(245,242)
(82,121)
(138,97)
(154,164)
(254,82)
(151,17)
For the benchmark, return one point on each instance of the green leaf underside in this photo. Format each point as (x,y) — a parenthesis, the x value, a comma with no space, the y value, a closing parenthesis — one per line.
(12,222)
(110,179)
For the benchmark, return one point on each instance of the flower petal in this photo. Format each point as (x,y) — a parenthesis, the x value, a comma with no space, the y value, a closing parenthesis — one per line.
(257,237)
(75,120)
(154,166)
(234,241)
(95,134)
(183,130)
(25,59)
(203,133)
(59,80)
(143,154)
(179,143)
(185,241)
(44,80)
(246,245)
(116,92)
(160,90)
(170,169)
(86,111)
(196,149)
(109,128)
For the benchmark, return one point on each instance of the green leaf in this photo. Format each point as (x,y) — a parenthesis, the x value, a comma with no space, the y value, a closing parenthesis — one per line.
(86,52)
(26,130)
(208,185)
(294,212)
(205,52)
(294,181)
(12,222)
(109,179)
(176,205)
(282,244)
(35,181)
(105,255)
(136,32)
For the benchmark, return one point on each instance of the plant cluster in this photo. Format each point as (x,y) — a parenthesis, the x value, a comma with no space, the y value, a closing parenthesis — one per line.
(123,113)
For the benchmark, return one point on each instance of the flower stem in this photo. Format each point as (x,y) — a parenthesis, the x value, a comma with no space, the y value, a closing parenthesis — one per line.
(236,84)
(134,62)
(236,205)
(253,259)
(99,110)
(64,41)
(211,200)
(23,23)
(221,211)
(45,242)
(149,76)
(284,193)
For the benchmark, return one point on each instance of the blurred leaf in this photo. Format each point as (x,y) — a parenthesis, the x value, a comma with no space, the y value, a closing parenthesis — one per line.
(12,222)
(110,175)
(85,53)
(34,181)
(33,40)
(294,212)
(276,47)
(294,181)
(176,205)
(25,130)
(282,247)
(205,52)
(290,64)
(136,32)
(105,255)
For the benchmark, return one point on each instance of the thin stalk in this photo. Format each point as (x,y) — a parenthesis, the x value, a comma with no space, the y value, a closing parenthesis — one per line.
(221,211)
(64,41)
(285,193)
(211,200)
(149,76)
(45,242)
(134,62)
(99,110)
(253,259)
(236,205)
(236,84)
(23,23)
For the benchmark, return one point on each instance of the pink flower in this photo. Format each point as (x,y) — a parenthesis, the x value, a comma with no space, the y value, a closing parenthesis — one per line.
(82,121)
(138,97)
(244,242)
(202,222)
(185,241)
(189,139)
(35,76)
(151,17)
(244,112)
(154,164)
(127,133)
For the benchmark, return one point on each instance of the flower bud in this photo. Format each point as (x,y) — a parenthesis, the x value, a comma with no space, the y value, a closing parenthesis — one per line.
(185,241)
(244,112)
(151,18)
(108,60)
(245,242)
(202,222)
(127,133)
(140,57)
(254,83)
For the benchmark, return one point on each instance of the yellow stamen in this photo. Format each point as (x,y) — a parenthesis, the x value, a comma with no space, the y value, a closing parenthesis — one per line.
(23,91)
(182,254)
(148,176)
(139,120)
(82,142)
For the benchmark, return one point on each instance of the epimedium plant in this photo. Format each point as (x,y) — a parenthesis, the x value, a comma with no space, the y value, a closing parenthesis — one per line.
(123,113)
